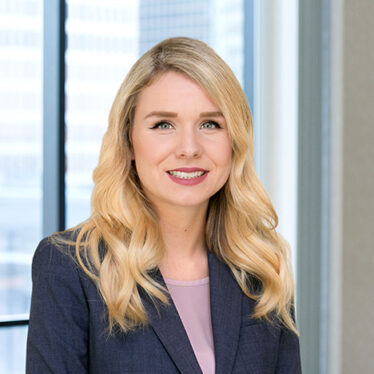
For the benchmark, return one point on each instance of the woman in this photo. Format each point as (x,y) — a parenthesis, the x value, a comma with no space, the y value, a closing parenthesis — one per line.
(179,268)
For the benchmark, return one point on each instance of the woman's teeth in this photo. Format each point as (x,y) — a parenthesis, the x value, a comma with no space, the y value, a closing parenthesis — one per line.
(184,175)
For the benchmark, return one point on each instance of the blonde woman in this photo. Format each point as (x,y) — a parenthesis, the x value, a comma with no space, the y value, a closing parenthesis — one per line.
(179,268)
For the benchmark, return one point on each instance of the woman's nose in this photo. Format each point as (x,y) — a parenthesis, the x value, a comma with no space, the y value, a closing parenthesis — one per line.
(188,145)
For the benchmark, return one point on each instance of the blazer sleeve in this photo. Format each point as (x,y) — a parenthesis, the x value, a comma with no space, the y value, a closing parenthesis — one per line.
(58,328)
(289,353)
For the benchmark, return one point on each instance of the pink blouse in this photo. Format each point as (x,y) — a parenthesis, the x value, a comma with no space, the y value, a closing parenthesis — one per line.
(192,301)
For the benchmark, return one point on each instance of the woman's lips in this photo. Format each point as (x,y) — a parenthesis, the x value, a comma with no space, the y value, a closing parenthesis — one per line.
(187,176)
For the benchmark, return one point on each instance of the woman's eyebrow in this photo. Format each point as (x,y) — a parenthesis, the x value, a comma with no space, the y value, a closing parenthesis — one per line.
(161,114)
(174,114)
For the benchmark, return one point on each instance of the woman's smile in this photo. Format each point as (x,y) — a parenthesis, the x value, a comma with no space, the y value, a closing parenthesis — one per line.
(188,178)
(194,175)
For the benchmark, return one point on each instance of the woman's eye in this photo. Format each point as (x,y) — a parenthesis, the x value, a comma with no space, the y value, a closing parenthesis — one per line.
(162,126)
(210,125)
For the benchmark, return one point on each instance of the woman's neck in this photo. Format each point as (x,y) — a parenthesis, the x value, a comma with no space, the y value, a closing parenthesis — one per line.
(183,232)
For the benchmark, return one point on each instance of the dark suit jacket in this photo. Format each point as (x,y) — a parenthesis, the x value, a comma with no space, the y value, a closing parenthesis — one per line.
(68,328)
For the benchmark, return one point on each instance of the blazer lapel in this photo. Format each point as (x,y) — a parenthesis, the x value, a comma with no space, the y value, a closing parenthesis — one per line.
(226,305)
(168,326)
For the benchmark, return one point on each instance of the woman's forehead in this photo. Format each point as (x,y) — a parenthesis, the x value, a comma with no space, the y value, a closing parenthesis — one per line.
(175,90)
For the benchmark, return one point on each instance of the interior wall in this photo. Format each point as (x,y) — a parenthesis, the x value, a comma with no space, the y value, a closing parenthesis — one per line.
(352,256)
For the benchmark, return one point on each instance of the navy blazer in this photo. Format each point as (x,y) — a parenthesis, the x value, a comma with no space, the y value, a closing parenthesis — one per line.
(68,328)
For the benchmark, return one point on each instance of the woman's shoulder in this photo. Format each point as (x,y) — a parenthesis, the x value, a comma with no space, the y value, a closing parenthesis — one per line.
(55,251)
(56,269)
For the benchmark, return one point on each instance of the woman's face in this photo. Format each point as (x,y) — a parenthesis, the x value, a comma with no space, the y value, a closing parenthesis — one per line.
(181,145)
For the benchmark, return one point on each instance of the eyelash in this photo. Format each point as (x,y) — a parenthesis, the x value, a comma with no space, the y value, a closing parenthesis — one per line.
(156,126)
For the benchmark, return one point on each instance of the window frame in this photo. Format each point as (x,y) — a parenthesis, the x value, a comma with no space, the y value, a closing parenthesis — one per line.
(53,190)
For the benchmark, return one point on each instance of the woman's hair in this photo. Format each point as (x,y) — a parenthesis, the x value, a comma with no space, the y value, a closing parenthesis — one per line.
(121,243)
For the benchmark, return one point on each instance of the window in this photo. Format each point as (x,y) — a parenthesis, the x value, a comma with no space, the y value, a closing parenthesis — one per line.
(103,40)
(20,167)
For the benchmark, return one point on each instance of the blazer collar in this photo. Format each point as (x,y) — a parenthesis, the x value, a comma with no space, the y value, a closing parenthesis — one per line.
(225,303)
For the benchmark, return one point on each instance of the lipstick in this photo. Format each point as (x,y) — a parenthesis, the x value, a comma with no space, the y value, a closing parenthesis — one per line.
(188,176)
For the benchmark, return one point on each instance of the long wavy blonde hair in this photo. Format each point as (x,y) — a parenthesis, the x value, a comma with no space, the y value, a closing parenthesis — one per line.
(121,243)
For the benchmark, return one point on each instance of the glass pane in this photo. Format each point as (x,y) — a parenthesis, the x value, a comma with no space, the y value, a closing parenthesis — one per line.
(104,40)
(20,149)
(218,23)
(102,46)
(13,350)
